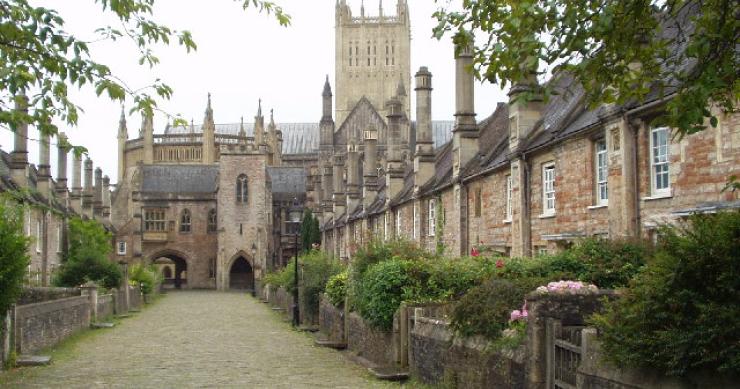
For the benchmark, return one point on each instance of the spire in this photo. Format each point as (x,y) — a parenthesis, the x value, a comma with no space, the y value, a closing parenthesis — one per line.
(401,90)
(122,130)
(242,131)
(362,8)
(327,88)
(259,108)
(380,8)
(272,119)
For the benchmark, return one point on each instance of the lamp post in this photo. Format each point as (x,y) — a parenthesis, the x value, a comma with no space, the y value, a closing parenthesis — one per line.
(296,216)
(254,260)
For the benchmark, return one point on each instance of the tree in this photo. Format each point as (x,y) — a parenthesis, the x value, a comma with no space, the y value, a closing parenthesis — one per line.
(13,254)
(310,232)
(87,260)
(41,61)
(601,42)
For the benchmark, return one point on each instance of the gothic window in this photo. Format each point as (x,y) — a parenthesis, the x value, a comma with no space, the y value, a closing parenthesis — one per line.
(122,247)
(185,221)
(399,217)
(38,236)
(432,217)
(59,239)
(508,198)
(241,189)
(154,220)
(601,172)
(212,221)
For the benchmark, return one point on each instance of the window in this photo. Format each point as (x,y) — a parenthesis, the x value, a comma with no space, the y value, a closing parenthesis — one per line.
(601,174)
(659,164)
(59,239)
(212,221)
(154,220)
(38,236)
(241,189)
(432,219)
(185,220)
(416,222)
(548,189)
(212,268)
(121,247)
(398,223)
(540,250)
(478,202)
(508,198)
(385,226)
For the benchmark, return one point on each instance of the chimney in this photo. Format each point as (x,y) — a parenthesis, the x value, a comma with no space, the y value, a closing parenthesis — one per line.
(370,167)
(43,181)
(106,198)
(98,193)
(147,126)
(465,131)
(353,176)
(62,150)
(19,157)
(76,198)
(328,190)
(340,200)
(424,156)
(87,193)
(395,171)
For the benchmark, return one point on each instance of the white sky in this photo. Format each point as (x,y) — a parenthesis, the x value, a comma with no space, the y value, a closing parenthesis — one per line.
(242,56)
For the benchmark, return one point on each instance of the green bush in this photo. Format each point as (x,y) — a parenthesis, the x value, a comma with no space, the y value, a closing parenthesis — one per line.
(13,254)
(87,260)
(382,289)
(316,268)
(681,312)
(145,277)
(485,310)
(283,278)
(336,288)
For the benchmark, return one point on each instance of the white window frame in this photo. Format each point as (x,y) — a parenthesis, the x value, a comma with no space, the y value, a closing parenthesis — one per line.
(509,186)
(432,217)
(415,221)
(399,217)
(59,239)
(660,164)
(548,189)
(38,236)
(601,172)
(121,247)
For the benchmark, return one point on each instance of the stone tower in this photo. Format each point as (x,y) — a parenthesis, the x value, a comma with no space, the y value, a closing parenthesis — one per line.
(373,56)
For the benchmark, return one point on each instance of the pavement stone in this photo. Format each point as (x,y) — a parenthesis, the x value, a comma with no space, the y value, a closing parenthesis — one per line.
(202,339)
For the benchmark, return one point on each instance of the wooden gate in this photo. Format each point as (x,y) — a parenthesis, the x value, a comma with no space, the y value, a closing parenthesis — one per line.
(563,354)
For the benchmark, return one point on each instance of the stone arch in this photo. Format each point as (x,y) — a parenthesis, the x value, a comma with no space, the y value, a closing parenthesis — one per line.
(240,272)
(181,262)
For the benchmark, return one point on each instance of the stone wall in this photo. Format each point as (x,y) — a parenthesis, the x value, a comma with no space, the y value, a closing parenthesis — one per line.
(437,357)
(331,321)
(105,306)
(372,344)
(134,298)
(309,314)
(38,295)
(41,325)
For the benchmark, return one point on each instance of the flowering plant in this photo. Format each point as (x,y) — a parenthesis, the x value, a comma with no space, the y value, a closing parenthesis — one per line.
(567,287)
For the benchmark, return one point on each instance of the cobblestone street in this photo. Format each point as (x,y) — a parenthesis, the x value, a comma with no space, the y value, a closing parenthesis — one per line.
(198,339)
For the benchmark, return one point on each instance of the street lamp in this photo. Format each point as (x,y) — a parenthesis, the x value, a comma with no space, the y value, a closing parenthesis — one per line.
(296,218)
(254,261)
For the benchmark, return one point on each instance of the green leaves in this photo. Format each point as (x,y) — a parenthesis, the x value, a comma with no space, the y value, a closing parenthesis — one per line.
(620,51)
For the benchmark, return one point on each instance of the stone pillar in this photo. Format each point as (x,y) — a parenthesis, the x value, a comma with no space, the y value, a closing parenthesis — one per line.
(90,289)
(148,135)
(106,198)
(76,198)
(353,177)
(424,156)
(87,193)
(370,167)
(340,200)
(98,193)
(520,212)
(395,170)
(465,131)
(19,157)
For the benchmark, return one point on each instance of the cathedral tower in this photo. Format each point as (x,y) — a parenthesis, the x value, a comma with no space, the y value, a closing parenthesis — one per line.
(372,54)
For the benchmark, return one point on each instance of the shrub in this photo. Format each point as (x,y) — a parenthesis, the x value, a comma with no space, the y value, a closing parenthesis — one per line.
(485,310)
(13,254)
(283,278)
(145,277)
(608,263)
(681,312)
(316,268)
(382,289)
(87,260)
(336,288)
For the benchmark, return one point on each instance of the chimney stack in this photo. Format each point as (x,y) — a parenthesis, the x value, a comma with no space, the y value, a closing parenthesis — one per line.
(98,193)
(395,171)
(424,156)
(106,198)
(19,157)
(76,198)
(43,177)
(62,150)
(465,131)
(370,167)
(87,193)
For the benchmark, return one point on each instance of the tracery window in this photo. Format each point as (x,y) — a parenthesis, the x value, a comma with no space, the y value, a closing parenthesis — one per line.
(185,221)
(241,189)
(212,221)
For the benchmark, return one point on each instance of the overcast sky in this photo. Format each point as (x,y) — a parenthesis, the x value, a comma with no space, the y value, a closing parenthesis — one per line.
(242,56)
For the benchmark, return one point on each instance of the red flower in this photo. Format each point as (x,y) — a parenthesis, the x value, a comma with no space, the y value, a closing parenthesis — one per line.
(500,263)
(474,252)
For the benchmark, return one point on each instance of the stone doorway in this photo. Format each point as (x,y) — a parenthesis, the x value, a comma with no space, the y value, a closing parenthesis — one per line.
(241,275)
(174,271)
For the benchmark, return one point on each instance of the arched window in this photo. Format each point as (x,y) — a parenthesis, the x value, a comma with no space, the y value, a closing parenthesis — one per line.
(212,221)
(185,221)
(166,272)
(241,189)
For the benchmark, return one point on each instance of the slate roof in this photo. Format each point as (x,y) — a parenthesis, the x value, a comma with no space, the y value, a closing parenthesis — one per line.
(179,178)
(288,180)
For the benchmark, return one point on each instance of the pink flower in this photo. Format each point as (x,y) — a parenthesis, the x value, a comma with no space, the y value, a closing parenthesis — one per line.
(525,314)
(499,263)
(515,315)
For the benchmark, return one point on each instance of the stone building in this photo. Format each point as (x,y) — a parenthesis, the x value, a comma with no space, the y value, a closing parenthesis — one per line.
(49,203)
(531,178)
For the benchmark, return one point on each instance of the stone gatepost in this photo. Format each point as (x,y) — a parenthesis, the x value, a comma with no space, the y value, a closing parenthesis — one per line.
(90,289)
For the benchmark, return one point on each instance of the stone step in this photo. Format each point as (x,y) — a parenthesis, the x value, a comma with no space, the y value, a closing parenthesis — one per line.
(331,344)
(278,309)
(389,373)
(309,328)
(33,360)
(102,325)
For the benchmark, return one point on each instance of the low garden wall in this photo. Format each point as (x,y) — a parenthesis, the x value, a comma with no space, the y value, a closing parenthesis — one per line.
(105,306)
(331,320)
(34,295)
(135,298)
(376,346)
(309,314)
(41,325)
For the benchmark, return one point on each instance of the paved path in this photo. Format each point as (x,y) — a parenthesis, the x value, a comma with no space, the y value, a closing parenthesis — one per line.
(198,339)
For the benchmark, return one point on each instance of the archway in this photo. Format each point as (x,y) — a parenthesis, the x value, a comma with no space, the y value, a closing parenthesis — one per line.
(174,269)
(241,275)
